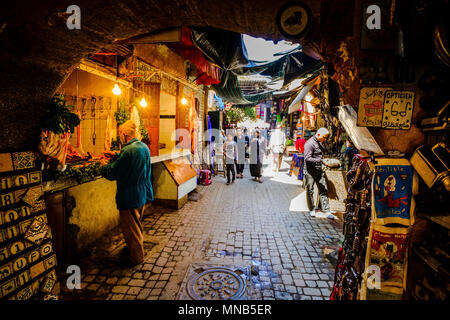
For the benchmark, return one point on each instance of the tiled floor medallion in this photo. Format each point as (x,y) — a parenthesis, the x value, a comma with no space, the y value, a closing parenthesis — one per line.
(208,282)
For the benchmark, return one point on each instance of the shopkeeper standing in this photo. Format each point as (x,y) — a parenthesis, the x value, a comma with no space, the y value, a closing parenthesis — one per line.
(132,170)
(314,174)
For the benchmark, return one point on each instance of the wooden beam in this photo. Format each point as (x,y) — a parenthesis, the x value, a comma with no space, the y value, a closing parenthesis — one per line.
(170,35)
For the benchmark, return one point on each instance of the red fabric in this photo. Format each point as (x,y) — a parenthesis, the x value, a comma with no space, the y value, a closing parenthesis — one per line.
(207,73)
(300,144)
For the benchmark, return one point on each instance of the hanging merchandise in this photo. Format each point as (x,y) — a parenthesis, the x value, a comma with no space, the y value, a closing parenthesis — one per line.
(193,124)
(57,125)
(94,135)
(207,74)
(278,118)
(108,133)
(394,185)
(386,261)
(134,115)
(351,257)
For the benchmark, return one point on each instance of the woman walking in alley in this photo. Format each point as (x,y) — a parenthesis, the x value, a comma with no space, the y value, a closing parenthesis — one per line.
(241,146)
(230,150)
(257,150)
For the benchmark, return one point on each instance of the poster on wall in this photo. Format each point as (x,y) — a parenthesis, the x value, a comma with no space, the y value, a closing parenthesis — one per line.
(370,108)
(398,109)
(386,261)
(394,184)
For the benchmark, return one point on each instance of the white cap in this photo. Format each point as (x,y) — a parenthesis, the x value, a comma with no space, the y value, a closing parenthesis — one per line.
(322,131)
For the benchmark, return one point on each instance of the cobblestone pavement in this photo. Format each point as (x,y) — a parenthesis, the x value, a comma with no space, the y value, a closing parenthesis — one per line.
(244,224)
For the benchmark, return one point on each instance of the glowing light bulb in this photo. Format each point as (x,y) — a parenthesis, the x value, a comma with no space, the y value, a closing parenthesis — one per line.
(143,103)
(116,90)
(184,101)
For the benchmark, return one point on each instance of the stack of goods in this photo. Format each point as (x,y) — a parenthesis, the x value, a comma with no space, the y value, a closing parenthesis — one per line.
(74,157)
(27,261)
(393,205)
(380,200)
(81,168)
(350,265)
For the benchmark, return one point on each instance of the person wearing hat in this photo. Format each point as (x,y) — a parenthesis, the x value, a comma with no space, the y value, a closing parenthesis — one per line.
(132,171)
(314,174)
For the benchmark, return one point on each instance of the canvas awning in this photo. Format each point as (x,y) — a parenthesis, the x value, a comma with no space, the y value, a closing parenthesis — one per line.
(297,102)
(229,90)
(226,50)
(360,136)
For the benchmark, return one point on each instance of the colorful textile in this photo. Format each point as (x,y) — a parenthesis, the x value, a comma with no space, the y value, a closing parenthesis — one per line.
(300,144)
(387,254)
(53,146)
(394,185)
(296,167)
(207,73)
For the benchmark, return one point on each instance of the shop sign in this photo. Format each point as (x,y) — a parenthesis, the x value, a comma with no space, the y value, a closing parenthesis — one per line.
(370,108)
(398,109)
(294,19)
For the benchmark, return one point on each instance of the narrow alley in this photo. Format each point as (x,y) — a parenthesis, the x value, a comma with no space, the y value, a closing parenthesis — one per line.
(246,225)
(215,154)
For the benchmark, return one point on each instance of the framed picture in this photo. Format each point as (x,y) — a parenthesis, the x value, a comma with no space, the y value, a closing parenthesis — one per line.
(294,19)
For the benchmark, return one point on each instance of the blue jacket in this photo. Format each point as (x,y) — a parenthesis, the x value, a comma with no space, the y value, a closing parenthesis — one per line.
(132,170)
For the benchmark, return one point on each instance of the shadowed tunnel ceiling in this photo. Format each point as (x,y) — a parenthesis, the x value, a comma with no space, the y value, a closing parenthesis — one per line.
(38,51)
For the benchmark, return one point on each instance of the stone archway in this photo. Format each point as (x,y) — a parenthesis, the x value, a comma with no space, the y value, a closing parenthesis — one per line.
(37,51)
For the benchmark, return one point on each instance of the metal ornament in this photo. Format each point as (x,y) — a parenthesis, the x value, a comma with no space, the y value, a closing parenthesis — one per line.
(294,19)
(216,284)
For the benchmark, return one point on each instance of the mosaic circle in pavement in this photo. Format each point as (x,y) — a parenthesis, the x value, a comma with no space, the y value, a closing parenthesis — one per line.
(216,284)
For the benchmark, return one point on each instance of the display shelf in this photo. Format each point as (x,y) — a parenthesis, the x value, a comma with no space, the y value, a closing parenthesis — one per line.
(443,220)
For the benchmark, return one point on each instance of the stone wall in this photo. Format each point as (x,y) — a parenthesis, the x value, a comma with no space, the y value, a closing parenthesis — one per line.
(38,51)
(95,213)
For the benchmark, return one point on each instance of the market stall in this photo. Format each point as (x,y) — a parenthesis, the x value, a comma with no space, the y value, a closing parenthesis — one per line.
(101,94)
